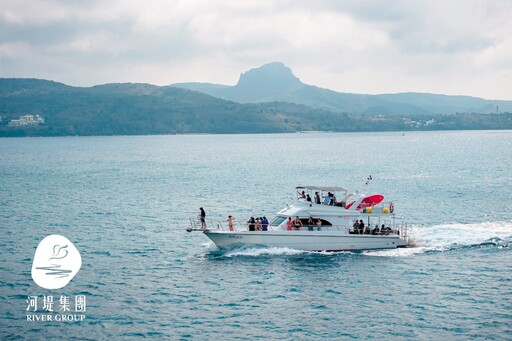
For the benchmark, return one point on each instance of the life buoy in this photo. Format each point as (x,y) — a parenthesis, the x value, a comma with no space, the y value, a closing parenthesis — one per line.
(391,208)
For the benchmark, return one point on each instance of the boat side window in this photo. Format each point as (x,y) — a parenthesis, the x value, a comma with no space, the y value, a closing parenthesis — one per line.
(324,222)
(277,221)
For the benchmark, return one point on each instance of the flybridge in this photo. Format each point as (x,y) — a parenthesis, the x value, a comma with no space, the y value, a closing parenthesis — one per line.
(326,195)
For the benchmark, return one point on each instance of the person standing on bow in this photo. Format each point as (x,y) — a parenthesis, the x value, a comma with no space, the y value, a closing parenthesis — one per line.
(252,224)
(230,222)
(203,218)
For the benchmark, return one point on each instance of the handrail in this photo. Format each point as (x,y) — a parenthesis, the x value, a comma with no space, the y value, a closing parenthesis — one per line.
(384,204)
(216,224)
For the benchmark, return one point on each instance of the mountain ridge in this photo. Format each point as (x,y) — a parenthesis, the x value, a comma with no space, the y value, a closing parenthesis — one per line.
(139,109)
(259,85)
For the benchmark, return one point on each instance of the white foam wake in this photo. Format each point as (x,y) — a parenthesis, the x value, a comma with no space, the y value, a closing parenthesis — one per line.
(450,236)
(262,251)
(252,251)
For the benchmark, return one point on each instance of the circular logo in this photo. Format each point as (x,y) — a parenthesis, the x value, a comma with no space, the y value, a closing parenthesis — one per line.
(56,262)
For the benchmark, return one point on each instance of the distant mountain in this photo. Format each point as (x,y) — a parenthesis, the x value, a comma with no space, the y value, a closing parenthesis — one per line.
(276,82)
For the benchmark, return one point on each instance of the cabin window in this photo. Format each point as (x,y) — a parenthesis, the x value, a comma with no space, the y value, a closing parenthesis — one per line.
(277,221)
(324,222)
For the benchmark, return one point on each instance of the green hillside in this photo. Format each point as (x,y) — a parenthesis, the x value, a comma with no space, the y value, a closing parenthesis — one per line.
(127,109)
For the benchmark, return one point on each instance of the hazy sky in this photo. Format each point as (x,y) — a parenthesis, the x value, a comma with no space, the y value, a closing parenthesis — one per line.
(453,47)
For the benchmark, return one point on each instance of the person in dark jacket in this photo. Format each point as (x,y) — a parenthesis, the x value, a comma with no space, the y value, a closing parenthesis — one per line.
(361,226)
(252,224)
(202,217)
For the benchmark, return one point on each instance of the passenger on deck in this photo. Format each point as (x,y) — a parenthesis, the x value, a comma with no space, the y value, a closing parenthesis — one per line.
(317,198)
(258,224)
(332,199)
(302,194)
(264,224)
(203,218)
(327,200)
(355,227)
(289,223)
(375,230)
(386,230)
(311,224)
(361,227)
(308,198)
(318,224)
(230,222)
(252,224)
(297,224)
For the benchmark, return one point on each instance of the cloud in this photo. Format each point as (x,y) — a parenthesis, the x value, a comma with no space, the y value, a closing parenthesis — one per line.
(353,46)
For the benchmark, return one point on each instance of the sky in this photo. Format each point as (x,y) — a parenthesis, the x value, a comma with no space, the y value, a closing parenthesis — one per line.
(455,47)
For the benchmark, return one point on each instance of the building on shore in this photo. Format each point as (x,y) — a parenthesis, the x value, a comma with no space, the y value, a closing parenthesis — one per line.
(27,120)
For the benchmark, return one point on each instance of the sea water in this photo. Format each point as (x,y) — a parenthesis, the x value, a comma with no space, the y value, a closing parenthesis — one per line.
(124,202)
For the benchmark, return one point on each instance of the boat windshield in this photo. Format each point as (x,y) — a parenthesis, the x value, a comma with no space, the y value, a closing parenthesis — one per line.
(277,221)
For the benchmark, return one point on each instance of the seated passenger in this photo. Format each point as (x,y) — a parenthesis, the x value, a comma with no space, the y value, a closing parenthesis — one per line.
(308,198)
(302,195)
(375,230)
(385,230)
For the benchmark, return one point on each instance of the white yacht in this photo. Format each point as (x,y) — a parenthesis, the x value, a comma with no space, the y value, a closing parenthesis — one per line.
(321,219)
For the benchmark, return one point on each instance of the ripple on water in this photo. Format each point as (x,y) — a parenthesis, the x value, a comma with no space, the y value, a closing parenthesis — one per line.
(124,201)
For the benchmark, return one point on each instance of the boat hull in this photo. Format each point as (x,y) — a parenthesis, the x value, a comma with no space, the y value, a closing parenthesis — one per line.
(304,240)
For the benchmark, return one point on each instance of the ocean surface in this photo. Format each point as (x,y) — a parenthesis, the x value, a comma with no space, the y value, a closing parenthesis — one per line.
(124,201)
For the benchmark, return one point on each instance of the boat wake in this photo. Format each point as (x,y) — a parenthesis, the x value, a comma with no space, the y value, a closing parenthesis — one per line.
(447,237)
(252,251)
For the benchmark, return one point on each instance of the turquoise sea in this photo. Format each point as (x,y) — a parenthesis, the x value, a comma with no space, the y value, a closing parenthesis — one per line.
(124,201)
